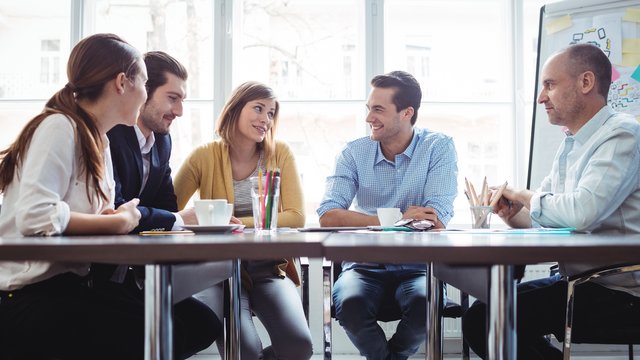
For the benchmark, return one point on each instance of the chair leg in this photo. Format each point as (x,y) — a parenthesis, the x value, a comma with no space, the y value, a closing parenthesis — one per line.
(304,272)
(566,350)
(434,316)
(464,304)
(327,279)
(630,351)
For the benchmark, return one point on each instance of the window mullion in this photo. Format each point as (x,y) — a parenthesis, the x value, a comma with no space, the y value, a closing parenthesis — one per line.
(223,34)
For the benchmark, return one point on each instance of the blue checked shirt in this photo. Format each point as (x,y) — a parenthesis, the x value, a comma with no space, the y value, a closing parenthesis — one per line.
(423,175)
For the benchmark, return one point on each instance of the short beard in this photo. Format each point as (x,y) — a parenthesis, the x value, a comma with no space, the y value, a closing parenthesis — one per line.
(151,125)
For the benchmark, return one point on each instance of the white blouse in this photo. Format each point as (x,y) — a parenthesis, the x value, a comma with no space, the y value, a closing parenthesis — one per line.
(45,189)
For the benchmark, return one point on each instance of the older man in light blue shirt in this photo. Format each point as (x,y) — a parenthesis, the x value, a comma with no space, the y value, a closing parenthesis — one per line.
(397,166)
(593,186)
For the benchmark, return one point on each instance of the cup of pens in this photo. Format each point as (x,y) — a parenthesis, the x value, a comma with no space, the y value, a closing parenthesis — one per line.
(481,216)
(265,195)
(481,204)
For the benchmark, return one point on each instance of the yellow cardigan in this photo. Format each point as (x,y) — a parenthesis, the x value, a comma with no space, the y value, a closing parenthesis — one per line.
(208,170)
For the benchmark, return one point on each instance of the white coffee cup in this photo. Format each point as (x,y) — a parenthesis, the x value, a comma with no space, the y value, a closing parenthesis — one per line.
(213,212)
(388,216)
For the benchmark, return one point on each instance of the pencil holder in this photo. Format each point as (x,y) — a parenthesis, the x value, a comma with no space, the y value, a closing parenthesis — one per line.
(481,217)
(265,195)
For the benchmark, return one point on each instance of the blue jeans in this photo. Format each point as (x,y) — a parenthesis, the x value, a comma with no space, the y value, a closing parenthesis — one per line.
(358,295)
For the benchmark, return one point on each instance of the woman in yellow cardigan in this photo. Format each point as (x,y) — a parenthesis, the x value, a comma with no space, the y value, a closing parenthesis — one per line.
(221,170)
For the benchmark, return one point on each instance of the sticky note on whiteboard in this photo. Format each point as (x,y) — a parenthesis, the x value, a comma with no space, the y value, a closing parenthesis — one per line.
(631,14)
(636,74)
(631,45)
(558,24)
(630,60)
(615,74)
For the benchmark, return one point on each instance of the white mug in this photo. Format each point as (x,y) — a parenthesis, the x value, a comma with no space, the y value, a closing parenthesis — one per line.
(389,216)
(213,212)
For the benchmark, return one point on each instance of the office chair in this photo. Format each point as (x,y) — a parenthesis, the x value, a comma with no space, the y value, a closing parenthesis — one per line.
(388,312)
(599,334)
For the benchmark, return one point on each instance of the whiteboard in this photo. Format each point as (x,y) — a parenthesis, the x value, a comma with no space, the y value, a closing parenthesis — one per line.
(613,25)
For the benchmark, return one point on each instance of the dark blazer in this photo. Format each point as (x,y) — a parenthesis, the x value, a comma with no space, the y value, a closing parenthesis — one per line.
(157,200)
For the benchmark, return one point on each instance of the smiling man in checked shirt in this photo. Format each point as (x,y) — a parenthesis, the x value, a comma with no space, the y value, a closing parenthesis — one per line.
(400,166)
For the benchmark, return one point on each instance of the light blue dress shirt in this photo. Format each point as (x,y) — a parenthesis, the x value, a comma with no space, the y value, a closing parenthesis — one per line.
(594,186)
(425,174)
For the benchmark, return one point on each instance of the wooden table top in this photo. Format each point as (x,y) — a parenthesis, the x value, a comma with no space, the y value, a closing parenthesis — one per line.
(134,249)
(477,249)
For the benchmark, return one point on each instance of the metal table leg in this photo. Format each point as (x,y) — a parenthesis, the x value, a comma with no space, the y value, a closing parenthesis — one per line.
(434,320)
(158,316)
(232,340)
(502,314)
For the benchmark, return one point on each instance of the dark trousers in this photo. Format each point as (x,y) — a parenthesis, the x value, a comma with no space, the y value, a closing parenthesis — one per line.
(541,307)
(62,318)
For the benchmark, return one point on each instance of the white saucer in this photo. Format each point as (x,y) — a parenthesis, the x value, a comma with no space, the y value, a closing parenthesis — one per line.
(213,228)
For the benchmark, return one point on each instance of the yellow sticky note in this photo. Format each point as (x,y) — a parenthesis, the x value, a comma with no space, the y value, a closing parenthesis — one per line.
(631,46)
(558,24)
(630,59)
(631,14)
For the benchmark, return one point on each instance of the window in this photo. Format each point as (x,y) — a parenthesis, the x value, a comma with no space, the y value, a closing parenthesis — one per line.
(302,48)
(36,34)
(50,61)
(319,56)
(461,59)
(184,30)
(311,52)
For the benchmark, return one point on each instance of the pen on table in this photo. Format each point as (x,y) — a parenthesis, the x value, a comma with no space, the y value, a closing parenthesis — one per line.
(260,197)
(267,201)
(474,195)
(487,194)
(266,190)
(498,194)
(483,192)
(468,192)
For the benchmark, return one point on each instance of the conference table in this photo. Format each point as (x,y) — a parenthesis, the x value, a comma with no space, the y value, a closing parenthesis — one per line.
(499,250)
(158,253)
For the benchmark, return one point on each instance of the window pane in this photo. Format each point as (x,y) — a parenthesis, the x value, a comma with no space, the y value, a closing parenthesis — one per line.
(193,129)
(181,28)
(35,37)
(304,49)
(482,135)
(316,132)
(13,116)
(459,50)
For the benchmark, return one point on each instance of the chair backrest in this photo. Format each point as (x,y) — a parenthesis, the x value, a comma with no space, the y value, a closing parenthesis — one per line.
(589,331)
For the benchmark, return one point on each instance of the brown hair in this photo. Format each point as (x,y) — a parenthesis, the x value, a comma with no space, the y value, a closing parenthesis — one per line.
(158,65)
(407,90)
(228,119)
(93,62)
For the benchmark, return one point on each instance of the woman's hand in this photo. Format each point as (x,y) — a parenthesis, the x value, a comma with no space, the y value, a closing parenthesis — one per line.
(129,215)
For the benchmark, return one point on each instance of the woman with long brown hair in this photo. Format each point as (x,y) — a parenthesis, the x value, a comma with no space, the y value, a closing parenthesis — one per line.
(57,179)
(222,170)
